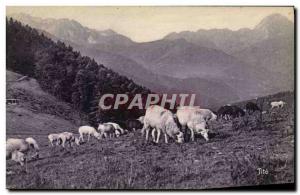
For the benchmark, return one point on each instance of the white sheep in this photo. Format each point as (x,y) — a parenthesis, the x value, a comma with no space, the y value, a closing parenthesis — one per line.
(88,130)
(198,127)
(63,138)
(18,157)
(161,120)
(67,137)
(32,143)
(53,138)
(278,104)
(117,127)
(21,145)
(195,120)
(108,130)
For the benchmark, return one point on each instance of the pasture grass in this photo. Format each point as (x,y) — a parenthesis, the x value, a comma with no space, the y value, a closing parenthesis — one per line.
(230,158)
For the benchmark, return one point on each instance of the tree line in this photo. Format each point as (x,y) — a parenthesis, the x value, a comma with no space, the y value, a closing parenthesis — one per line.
(67,74)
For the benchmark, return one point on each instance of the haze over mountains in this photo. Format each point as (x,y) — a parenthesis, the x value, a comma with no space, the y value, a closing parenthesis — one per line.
(219,65)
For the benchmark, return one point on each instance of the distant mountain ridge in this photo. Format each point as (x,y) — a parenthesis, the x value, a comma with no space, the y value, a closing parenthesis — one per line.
(250,62)
(71,30)
(231,41)
(65,73)
(268,46)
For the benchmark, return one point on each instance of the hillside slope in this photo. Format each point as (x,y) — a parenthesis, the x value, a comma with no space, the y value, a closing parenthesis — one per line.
(230,158)
(253,62)
(38,112)
(65,73)
(267,51)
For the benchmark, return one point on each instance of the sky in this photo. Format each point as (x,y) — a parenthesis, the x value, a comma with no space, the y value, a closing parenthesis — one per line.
(144,24)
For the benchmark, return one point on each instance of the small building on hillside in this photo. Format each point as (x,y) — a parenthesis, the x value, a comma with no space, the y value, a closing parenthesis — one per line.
(12,101)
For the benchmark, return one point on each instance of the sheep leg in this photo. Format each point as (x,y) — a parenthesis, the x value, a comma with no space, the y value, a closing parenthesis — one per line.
(190,127)
(147,134)
(158,135)
(143,130)
(185,134)
(166,138)
(81,137)
(192,135)
(64,142)
(153,134)
(89,135)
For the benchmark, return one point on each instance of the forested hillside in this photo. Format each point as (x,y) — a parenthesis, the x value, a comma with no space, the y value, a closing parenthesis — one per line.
(64,73)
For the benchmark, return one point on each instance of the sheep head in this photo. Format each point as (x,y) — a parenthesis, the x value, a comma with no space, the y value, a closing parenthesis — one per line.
(214,117)
(18,157)
(173,129)
(201,129)
(180,137)
(204,133)
(97,135)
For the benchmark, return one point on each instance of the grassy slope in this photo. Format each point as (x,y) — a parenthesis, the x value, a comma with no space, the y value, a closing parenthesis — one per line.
(231,157)
(38,112)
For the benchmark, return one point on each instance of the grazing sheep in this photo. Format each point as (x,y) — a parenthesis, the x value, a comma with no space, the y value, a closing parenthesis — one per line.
(252,107)
(18,157)
(133,124)
(228,112)
(53,138)
(32,143)
(161,120)
(67,137)
(88,130)
(108,130)
(199,128)
(224,112)
(195,120)
(21,145)
(278,104)
(62,138)
(117,127)
(238,112)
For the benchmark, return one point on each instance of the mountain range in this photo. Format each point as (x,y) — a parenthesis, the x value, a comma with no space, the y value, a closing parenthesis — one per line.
(219,65)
